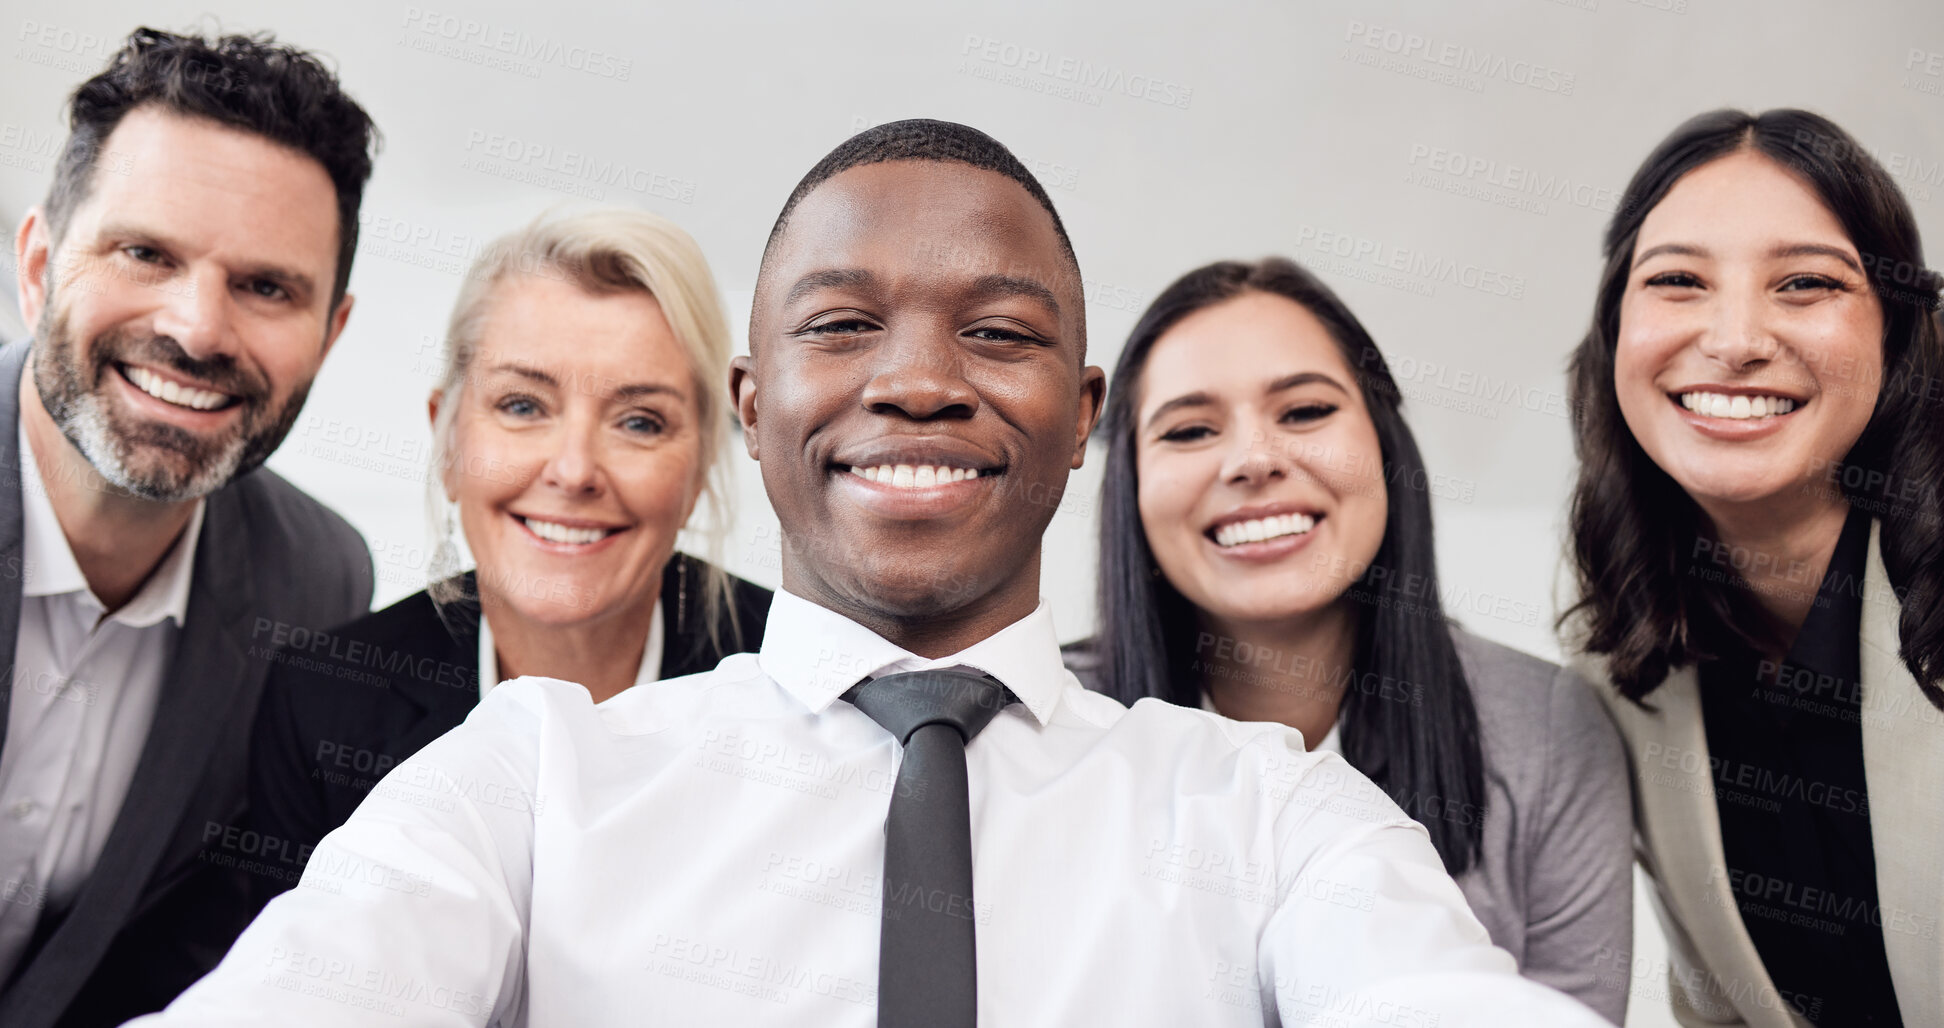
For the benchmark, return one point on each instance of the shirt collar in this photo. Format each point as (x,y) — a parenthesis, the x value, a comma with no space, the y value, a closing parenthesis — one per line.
(49,567)
(817,654)
(648,670)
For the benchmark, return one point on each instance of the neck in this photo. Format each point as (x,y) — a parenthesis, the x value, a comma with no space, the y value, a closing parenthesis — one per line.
(928,633)
(602,655)
(1289,671)
(117,539)
(1782,554)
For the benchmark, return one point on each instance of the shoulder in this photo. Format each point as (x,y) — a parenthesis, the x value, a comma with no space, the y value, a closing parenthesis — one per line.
(285,517)
(1531,712)
(299,546)
(404,650)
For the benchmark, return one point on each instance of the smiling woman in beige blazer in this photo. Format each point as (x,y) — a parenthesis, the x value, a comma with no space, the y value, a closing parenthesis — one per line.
(1756,536)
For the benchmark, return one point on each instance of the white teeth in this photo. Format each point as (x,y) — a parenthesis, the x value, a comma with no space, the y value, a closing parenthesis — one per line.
(1256,530)
(918,476)
(169,392)
(1737,408)
(558,533)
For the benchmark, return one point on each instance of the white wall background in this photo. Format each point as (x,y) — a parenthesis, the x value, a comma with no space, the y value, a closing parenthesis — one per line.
(1168,136)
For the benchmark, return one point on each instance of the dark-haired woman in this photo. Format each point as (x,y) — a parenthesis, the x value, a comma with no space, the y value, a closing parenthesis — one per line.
(1758,552)
(1266,553)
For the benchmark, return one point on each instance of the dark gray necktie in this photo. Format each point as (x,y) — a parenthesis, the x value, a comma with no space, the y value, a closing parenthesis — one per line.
(927,971)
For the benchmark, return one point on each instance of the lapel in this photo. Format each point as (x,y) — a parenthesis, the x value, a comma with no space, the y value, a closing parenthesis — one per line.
(1903,762)
(1680,836)
(199,693)
(13,574)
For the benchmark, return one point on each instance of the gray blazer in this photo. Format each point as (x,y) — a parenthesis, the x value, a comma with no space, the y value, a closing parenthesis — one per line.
(1554,884)
(168,895)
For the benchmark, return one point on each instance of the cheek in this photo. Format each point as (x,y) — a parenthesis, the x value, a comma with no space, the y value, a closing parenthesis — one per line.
(660,487)
(1353,472)
(1170,488)
(1846,358)
(488,465)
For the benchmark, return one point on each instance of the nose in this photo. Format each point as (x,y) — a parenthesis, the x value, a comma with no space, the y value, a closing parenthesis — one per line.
(574,467)
(921,377)
(1254,460)
(196,312)
(1738,337)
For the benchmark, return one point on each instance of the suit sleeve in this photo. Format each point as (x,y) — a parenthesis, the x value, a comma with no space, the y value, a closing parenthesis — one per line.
(1579,857)
(1371,931)
(412,912)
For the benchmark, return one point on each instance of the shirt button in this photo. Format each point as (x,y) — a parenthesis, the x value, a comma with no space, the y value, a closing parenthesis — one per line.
(22,809)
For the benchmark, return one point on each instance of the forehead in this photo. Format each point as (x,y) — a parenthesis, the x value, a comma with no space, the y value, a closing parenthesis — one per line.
(213,185)
(550,324)
(1235,348)
(1744,196)
(919,218)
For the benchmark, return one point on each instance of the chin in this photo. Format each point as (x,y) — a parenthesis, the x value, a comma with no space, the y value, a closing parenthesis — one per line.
(1712,482)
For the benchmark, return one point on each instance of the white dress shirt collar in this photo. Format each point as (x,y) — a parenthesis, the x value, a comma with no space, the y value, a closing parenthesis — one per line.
(817,654)
(49,567)
(648,670)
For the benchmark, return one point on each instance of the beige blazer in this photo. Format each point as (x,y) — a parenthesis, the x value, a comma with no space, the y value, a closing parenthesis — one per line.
(1715,976)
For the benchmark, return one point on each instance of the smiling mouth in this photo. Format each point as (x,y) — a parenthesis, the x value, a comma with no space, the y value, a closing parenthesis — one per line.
(555,532)
(1735,408)
(919,476)
(1261,530)
(173,393)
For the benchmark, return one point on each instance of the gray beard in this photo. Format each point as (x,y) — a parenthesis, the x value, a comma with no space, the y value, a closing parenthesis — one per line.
(150,460)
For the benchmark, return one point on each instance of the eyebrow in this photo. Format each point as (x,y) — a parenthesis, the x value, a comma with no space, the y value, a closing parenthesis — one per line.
(1782,250)
(293,281)
(626,392)
(1201,399)
(830,278)
(1012,285)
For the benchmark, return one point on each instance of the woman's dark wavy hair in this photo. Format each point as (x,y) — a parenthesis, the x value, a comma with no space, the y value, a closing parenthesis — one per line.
(1424,754)
(1635,531)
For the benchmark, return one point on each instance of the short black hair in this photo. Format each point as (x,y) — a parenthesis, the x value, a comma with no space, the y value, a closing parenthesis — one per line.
(921,139)
(279,92)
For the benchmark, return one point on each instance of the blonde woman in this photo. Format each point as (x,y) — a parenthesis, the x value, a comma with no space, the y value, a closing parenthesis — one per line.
(575,430)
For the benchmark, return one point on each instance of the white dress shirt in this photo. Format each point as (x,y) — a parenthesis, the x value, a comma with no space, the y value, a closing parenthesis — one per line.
(647,671)
(709,852)
(84,691)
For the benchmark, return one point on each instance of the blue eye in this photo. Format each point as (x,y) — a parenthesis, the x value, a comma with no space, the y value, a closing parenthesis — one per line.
(519,406)
(643,424)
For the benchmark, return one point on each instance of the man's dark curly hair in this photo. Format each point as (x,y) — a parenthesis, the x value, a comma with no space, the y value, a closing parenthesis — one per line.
(252,83)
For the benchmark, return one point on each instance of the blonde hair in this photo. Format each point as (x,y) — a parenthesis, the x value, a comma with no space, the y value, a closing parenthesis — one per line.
(601,251)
